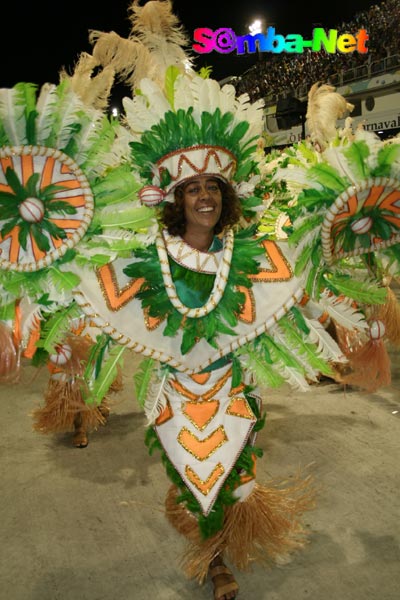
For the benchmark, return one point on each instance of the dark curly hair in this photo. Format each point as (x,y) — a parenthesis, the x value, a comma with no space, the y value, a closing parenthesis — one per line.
(173,213)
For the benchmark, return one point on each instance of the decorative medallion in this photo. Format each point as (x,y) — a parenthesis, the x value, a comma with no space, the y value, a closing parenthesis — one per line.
(46,206)
(363,218)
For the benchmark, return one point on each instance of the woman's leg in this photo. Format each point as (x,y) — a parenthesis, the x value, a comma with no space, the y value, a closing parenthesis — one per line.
(225,586)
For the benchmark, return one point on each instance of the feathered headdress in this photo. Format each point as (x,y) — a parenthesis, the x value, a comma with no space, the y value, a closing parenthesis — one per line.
(181,123)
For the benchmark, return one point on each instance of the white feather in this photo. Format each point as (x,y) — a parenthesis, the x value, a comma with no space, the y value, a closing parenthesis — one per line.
(342,311)
(296,176)
(45,107)
(88,135)
(13,116)
(140,115)
(228,98)
(31,317)
(293,377)
(68,109)
(325,343)
(311,373)
(183,94)
(251,112)
(334,156)
(156,400)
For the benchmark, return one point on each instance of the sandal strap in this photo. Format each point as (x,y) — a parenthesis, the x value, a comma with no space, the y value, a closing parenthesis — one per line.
(219,570)
(221,591)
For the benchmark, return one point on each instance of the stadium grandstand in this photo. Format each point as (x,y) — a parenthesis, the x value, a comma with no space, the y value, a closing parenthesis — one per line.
(371,81)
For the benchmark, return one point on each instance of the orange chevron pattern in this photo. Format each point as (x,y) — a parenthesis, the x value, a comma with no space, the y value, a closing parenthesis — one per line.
(117,297)
(202,449)
(201,413)
(205,485)
(184,391)
(280,271)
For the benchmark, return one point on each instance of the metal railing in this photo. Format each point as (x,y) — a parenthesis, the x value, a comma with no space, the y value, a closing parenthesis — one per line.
(367,71)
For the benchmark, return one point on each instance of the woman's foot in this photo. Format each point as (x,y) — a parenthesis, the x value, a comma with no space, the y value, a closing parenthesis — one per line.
(225,586)
(80,439)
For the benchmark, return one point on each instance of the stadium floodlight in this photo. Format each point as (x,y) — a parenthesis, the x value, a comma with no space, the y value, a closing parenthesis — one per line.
(255,27)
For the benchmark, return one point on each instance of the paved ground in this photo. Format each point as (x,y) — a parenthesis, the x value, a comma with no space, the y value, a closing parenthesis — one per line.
(88,524)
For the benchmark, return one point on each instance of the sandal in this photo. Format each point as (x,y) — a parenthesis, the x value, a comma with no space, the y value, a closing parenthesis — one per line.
(80,439)
(225,585)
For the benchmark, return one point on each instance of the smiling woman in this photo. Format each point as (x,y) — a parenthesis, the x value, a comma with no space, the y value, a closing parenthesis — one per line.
(217,309)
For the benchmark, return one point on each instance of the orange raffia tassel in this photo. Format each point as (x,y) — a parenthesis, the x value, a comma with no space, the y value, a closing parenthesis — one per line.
(64,398)
(9,355)
(370,367)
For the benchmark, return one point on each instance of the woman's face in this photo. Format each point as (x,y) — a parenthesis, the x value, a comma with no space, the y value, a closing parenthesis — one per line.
(202,202)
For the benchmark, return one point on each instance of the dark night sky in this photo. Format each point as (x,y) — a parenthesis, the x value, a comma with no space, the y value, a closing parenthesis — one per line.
(39,37)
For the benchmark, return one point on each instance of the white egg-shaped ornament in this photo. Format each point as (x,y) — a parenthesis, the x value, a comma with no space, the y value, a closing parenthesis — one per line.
(31,210)
(62,355)
(151,195)
(377,330)
(362,225)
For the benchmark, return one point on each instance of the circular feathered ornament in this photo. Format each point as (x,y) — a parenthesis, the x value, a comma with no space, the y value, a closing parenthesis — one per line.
(49,205)
(151,195)
(348,231)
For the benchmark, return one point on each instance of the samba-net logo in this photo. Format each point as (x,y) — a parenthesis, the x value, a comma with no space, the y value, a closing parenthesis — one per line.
(225,40)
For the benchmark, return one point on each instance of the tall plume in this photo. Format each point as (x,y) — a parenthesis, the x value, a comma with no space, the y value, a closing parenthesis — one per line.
(90,81)
(156,41)
(324,108)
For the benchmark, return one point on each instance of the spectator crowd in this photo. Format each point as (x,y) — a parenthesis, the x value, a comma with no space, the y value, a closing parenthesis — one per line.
(284,73)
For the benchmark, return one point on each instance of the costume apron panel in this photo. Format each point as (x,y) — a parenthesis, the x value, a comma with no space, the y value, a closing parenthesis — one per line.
(203,430)
(108,297)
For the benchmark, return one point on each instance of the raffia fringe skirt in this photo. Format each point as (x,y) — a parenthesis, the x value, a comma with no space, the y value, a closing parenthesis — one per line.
(265,528)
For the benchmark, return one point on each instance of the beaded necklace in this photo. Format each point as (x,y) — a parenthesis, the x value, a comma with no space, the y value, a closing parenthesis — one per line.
(221,278)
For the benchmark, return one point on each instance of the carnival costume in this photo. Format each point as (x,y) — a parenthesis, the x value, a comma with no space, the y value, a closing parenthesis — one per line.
(215,328)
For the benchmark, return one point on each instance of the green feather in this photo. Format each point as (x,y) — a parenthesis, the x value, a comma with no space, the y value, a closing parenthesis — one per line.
(120,185)
(171,74)
(265,373)
(387,156)
(63,280)
(300,347)
(142,379)
(100,145)
(328,177)
(357,154)
(56,327)
(133,219)
(107,375)
(308,224)
(7,311)
(364,292)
